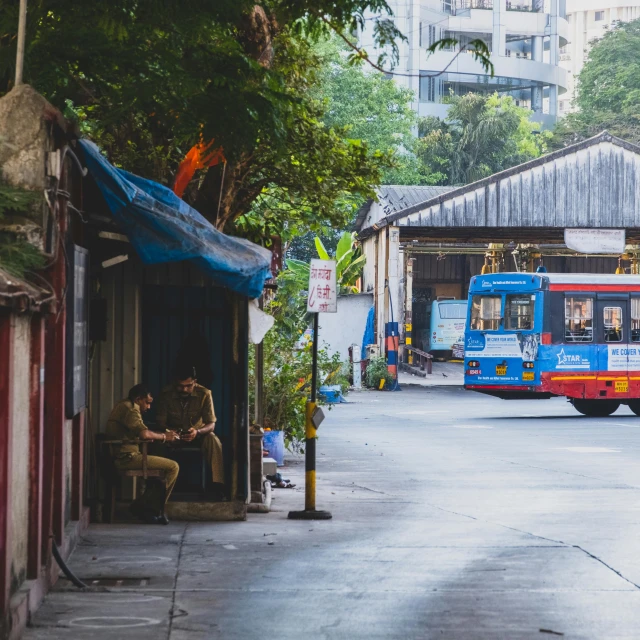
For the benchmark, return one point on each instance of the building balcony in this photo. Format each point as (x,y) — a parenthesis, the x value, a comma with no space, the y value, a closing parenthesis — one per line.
(524,23)
(508,71)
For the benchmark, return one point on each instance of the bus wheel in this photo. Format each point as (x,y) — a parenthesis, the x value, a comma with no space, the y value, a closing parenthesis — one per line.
(634,405)
(596,408)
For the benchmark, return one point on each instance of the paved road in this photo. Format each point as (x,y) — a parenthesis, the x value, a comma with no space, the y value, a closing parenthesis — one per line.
(456,516)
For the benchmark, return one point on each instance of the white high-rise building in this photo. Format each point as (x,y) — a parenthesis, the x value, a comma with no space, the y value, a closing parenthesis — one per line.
(524,37)
(589,19)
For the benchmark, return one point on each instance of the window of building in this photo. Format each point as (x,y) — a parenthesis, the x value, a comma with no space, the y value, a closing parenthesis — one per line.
(519,312)
(486,313)
(613,328)
(599,16)
(427,89)
(578,319)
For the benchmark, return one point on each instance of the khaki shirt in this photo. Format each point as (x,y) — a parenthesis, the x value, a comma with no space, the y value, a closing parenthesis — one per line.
(125,423)
(181,413)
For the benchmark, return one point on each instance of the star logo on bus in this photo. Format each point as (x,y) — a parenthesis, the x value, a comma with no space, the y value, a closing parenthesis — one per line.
(562,357)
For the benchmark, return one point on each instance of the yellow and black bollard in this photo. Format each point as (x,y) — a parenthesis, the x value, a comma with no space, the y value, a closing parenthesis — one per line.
(313,418)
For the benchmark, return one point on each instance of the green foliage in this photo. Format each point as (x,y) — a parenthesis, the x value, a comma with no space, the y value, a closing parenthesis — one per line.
(287,363)
(349,263)
(147,80)
(376,371)
(482,134)
(17,256)
(608,89)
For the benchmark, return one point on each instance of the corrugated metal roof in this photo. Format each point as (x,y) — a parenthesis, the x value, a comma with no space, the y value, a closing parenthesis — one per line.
(593,184)
(22,296)
(397,198)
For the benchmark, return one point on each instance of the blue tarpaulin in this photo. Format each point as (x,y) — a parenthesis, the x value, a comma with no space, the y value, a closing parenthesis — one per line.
(368,337)
(164,228)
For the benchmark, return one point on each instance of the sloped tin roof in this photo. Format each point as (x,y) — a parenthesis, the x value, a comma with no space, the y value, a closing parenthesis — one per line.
(592,184)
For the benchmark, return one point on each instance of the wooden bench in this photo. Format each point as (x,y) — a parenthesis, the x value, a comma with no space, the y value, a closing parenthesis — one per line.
(112,475)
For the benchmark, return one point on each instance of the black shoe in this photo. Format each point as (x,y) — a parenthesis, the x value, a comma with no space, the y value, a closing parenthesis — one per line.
(163,519)
(149,519)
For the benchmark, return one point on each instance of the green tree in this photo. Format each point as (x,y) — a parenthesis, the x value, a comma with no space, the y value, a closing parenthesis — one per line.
(482,134)
(371,108)
(349,263)
(148,79)
(608,89)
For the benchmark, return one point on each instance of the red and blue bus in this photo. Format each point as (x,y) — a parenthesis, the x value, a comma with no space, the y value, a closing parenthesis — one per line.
(540,335)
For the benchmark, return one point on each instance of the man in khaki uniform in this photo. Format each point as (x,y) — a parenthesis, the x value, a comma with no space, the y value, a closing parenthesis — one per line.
(125,423)
(187,407)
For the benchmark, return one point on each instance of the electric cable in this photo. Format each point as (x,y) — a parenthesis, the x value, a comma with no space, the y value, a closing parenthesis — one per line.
(65,569)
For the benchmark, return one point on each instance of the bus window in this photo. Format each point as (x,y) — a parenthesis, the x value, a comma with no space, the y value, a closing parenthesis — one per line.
(612,324)
(519,312)
(453,311)
(578,319)
(635,319)
(485,313)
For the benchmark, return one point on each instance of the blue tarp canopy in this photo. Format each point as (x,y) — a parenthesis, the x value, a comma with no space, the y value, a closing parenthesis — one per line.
(164,228)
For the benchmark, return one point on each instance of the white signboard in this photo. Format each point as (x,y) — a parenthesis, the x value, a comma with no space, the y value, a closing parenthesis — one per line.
(595,240)
(323,291)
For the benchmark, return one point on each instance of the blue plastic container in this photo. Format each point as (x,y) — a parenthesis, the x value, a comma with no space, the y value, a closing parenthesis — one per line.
(331,394)
(273,442)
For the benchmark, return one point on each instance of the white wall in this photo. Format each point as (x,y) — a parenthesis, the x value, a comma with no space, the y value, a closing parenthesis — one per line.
(338,331)
(20,448)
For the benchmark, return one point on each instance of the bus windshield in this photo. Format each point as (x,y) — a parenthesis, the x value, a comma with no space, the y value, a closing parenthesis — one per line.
(486,313)
(519,312)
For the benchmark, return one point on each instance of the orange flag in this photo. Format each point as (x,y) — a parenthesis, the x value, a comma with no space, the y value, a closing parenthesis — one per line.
(199,157)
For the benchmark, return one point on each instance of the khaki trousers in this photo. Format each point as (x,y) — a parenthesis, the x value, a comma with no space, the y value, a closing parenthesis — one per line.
(212,452)
(150,498)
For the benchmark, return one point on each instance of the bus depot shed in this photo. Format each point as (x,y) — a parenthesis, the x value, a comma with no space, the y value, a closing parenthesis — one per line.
(425,243)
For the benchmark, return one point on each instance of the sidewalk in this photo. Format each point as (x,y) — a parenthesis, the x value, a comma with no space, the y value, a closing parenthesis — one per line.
(447,374)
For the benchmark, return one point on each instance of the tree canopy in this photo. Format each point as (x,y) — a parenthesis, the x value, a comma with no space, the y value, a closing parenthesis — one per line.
(481,135)
(147,79)
(608,89)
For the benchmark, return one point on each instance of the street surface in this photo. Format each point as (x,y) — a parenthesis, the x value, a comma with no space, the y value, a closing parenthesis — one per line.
(456,516)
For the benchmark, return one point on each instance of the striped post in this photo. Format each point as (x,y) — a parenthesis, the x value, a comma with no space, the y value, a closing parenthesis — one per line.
(407,340)
(392,340)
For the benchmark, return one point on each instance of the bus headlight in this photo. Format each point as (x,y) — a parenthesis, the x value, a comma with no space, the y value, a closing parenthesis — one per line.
(528,365)
(473,364)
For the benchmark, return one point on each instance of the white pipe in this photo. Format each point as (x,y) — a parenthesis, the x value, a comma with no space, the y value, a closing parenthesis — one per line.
(22,30)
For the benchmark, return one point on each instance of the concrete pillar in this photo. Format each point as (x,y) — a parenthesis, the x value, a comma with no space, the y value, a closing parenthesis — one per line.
(537,54)
(499,37)
(554,54)
(413,46)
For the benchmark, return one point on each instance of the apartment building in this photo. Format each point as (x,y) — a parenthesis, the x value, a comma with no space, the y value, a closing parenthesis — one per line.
(524,37)
(589,20)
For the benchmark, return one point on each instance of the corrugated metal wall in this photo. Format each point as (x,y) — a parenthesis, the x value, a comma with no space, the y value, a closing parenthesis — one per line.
(595,185)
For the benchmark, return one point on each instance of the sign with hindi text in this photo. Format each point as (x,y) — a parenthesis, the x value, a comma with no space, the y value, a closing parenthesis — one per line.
(598,241)
(323,291)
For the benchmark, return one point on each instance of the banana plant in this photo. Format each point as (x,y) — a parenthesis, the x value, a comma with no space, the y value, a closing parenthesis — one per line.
(349,263)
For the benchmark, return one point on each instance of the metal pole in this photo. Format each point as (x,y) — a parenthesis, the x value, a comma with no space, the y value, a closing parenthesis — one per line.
(314,365)
(22,31)
(311,436)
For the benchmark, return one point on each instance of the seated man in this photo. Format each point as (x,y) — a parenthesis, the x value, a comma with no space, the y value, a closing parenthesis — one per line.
(125,423)
(187,407)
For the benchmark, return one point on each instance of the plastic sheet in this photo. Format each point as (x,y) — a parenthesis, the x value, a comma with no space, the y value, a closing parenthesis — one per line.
(164,228)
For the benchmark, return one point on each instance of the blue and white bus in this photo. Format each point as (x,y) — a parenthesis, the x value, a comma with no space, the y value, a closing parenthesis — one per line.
(447,324)
(539,335)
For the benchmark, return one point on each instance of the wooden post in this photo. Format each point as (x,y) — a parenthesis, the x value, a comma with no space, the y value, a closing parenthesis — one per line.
(7,330)
(408,306)
(77,494)
(36,435)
